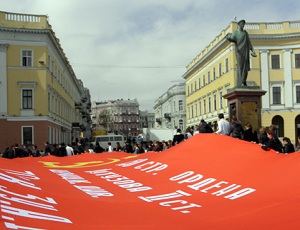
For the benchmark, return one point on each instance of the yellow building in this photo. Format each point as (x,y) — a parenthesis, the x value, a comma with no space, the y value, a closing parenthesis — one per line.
(276,69)
(40,97)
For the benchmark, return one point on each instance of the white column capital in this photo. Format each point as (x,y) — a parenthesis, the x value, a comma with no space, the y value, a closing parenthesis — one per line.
(3,47)
(287,50)
(264,51)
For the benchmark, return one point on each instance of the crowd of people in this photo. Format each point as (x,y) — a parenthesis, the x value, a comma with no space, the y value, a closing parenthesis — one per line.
(266,138)
(59,150)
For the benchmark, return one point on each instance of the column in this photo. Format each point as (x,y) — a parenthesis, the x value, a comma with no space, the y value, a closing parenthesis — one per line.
(265,78)
(288,82)
(3,80)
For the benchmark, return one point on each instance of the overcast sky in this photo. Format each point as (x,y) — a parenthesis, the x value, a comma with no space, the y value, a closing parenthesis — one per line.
(136,48)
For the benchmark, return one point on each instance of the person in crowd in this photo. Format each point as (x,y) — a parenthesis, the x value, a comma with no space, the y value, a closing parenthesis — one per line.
(109,148)
(118,147)
(55,151)
(223,125)
(141,149)
(298,144)
(149,147)
(62,150)
(271,144)
(249,134)
(69,149)
(178,137)
(273,129)
(188,133)
(204,127)
(236,128)
(98,148)
(288,147)
(35,152)
(9,152)
(128,147)
(263,138)
(165,145)
(157,146)
(18,151)
(26,151)
(170,144)
(135,148)
(47,148)
(196,130)
(79,148)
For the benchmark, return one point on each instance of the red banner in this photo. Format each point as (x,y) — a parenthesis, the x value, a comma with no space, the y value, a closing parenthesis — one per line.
(207,182)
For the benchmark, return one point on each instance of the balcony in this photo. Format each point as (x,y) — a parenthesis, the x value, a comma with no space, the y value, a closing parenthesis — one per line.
(158,120)
(167,115)
(78,105)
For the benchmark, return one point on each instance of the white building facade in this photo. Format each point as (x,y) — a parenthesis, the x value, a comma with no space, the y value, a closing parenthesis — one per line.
(169,108)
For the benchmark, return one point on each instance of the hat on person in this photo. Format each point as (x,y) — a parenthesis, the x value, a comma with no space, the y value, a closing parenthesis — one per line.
(202,121)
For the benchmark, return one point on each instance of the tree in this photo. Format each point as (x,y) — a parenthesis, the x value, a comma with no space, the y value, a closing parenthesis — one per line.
(105,120)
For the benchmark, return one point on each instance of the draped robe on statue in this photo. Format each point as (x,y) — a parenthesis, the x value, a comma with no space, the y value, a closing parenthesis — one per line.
(243,47)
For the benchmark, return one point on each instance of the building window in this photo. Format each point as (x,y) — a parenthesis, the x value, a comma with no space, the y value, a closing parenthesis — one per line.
(209,104)
(215,102)
(275,61)
(27,135)
(200,111)
(26,57)
(181,124)
(196,110)
(27,99)
(226,65)
(276,92)
(208,77)
(195,85)
(199,83)
(203,80)
(204,106)
(214,73)
(192,108)
(221,99)
(220,69)
(180,103)
(298,94)
(297,61)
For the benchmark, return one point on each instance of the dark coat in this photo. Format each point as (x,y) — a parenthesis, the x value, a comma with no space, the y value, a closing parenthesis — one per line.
(249,135)
(288,148)
(272,144)
(98,149)
(236,130)
(263,139)
(178,138)
(205,128)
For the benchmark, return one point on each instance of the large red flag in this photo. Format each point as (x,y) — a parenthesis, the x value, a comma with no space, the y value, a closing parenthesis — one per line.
(207,182)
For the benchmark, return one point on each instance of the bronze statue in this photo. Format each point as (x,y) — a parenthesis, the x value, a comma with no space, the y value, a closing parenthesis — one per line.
(242,43)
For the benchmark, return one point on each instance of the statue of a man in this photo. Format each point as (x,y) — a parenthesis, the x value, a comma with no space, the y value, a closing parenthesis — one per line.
(243,46)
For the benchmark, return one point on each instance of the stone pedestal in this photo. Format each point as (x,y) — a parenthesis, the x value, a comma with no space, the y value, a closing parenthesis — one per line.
(245,103)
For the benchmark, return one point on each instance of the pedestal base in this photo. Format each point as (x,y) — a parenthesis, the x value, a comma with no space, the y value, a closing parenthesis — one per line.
(245,103)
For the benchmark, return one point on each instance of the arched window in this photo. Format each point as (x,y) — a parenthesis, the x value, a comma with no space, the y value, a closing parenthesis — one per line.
(279,123)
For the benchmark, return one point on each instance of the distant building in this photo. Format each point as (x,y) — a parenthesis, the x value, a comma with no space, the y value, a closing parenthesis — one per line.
(116,116)
(276,69)
(40,97)
(169,108)
(147,119)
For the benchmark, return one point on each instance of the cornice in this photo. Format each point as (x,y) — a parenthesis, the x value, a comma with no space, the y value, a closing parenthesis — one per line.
(274,36)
